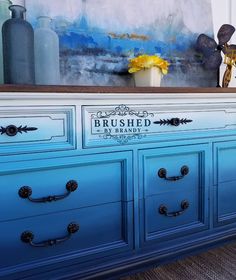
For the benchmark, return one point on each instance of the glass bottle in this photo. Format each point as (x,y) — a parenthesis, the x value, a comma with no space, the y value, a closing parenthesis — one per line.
(46,51)
(4,15)
(18,48)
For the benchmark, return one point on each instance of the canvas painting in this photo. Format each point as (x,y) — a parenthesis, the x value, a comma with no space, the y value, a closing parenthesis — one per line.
(98,37)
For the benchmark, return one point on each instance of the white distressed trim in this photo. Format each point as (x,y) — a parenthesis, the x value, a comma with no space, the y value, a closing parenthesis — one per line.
(17,99)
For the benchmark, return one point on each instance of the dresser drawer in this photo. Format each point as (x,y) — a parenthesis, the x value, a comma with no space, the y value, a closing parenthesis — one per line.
(133,123)
(225,161)
(30,129)
(174,214)
(171,169)
(225,203)
(102,230)
(99,178)
(225,182)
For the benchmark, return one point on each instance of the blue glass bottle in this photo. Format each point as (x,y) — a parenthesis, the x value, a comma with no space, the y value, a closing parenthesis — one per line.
(46,51)
(4,15)
(18,48)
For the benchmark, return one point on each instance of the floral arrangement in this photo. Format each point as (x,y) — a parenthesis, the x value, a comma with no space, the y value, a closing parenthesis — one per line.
(147,61)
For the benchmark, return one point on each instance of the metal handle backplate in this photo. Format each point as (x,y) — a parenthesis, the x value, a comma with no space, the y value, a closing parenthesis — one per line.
(12,130)
(25,192)
(28,237)
(162,173)
(173,121)
(163,210)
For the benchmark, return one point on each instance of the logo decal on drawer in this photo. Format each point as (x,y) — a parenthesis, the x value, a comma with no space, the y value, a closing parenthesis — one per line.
(121,124)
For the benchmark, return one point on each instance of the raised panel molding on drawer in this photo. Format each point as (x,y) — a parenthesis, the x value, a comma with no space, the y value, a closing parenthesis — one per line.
(126,124)
(175,201)
(100,179)
(36,129)
(225,182)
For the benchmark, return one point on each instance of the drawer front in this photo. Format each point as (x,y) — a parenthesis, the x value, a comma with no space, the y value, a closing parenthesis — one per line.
(225,203)
(100,179)
(171,169)
(225,161)
(126,124)
(105,229)
(30,129)
(173,215)
(225,182)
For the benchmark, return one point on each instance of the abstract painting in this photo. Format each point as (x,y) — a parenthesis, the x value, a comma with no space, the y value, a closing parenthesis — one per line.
(98,37)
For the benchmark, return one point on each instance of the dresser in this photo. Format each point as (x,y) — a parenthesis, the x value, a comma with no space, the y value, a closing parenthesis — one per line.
(100,182)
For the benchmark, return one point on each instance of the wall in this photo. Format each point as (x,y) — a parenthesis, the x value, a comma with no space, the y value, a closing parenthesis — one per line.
(223,13)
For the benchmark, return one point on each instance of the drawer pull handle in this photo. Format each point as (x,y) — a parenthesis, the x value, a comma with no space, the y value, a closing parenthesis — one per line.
(163,210)
(12,130)
(173,121)
(28,237)
(26,192)
(162,173)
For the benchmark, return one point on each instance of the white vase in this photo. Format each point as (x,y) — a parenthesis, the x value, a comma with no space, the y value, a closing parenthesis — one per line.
(46,46)
(148,77)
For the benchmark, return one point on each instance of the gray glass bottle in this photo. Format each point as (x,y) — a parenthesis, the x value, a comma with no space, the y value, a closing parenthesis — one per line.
(46,52)
(4,15)
(18,48)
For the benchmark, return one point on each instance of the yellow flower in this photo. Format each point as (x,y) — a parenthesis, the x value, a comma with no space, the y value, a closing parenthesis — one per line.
(147,61)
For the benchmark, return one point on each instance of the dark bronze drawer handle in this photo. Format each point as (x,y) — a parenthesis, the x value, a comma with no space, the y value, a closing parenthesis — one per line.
(26,192)
(28,236)
(173,121)
(12,130)
(162,173)
(163,210)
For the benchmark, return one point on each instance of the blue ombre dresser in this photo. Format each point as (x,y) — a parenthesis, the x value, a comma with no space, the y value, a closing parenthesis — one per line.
(96,183)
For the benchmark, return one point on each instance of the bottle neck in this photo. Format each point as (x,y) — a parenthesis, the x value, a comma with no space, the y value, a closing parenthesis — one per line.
(17,11)
(44,22)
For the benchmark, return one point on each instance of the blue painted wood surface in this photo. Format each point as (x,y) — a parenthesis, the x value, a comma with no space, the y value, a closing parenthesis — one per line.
(100,180)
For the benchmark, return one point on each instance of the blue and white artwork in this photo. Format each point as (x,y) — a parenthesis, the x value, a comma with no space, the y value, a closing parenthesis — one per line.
(98,37)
